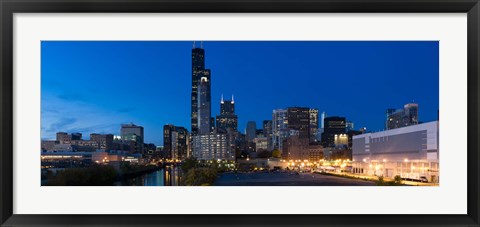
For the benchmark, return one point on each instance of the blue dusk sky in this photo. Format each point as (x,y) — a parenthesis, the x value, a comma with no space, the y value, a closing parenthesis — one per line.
(94,86)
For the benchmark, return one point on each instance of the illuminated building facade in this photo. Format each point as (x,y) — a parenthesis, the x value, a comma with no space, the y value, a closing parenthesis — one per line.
(300,149)
(410,152)
(212,146)
(341,140)
(65,159)
(261,143)
(64,142)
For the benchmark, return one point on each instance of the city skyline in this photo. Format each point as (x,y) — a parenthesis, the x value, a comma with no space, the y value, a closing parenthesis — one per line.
(124,82)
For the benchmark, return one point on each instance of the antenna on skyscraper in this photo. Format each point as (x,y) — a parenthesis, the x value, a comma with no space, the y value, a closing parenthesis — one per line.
(232,99)
(193,44)
(221,100)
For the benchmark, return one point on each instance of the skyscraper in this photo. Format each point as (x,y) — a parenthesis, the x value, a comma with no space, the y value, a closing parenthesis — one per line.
(299,119)
(227,106)
(350,126)
(411,111)
(279,128)
(322,121)
(204,106)
(198,72)
(227,118)
(251,131)
(132,132)
(268,132)
(206,143)
(167,140)
(334,126)
(313,124)
(175,142)
(402,117)
(388,113)
(182,144)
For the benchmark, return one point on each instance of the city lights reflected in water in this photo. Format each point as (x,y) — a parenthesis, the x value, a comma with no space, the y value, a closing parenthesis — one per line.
(168,176)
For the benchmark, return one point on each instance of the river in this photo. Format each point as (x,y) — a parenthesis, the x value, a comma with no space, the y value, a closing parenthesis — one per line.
(167,176)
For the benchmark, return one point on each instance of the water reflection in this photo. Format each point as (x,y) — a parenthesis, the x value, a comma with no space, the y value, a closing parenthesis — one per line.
(168,176)
(173,176)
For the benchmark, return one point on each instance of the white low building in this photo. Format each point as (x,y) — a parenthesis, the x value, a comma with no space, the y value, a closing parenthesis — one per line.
(410,152)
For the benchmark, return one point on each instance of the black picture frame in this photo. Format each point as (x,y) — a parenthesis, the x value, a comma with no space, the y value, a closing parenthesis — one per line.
(9,7)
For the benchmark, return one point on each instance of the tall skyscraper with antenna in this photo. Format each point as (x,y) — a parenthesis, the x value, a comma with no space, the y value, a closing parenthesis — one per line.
(198,72)
(206,143)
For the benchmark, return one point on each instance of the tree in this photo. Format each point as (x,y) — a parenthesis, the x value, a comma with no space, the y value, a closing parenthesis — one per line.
(214,164)
(276,153)
(397,179)
(189,163)
(380,181)
(190,177)
(200,176)
(95,175)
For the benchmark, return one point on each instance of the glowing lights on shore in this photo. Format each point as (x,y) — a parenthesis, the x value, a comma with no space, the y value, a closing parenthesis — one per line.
(321,163)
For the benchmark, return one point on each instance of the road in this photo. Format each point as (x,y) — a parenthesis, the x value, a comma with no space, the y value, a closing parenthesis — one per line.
(405,182)
(286,179)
